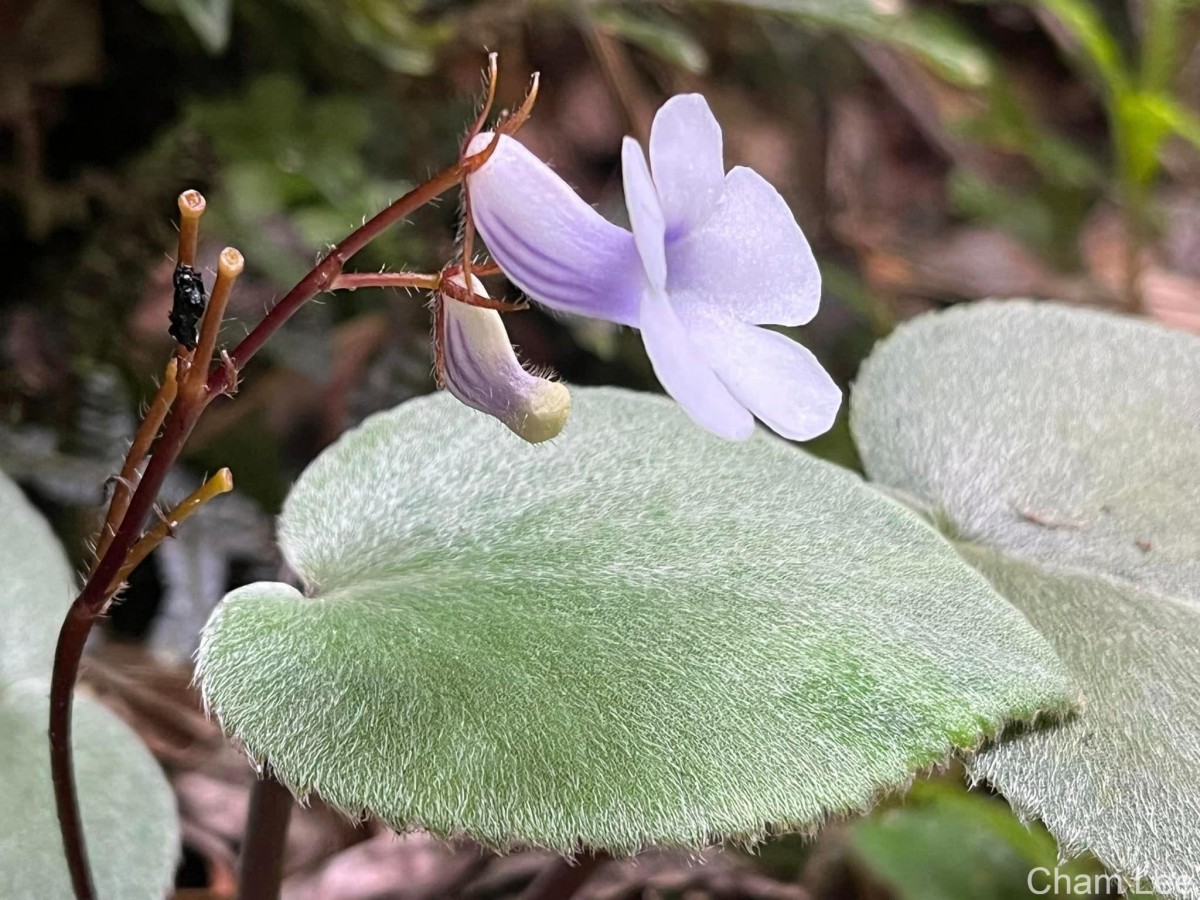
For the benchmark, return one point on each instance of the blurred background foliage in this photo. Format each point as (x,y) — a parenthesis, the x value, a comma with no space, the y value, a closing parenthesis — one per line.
(935,152)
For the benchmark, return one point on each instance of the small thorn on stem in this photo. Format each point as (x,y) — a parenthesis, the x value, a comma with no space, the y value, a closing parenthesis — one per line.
(232,374)
(166,522)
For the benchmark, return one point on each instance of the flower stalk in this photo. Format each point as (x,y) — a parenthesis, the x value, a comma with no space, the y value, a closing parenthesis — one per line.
(194,379)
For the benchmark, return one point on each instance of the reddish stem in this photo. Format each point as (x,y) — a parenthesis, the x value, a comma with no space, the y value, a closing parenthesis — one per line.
(71,640)
(96,593)
(260,870)
(351,281)
(323,274)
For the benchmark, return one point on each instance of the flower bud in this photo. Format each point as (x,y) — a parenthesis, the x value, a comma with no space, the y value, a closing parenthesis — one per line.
(480,368)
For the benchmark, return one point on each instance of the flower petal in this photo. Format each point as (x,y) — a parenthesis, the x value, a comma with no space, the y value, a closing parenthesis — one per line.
(778,379)
(548,241)
(482,371)
(686,375)
(645,213)
(687,158)
(750,260)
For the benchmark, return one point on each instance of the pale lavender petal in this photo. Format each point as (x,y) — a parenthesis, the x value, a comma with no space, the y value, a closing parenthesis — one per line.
(685,375)
(687,159)
(749,260)
(778,379)
(483,372)
(645,213)
(548,241)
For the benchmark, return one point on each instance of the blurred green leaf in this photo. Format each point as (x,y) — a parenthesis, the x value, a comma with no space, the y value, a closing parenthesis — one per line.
(947,843)
(1095,41)
(399,33)
(1172,116)
(294,158)
(127,807)
(36,590)
(933,37)
(1141,129)
(1024,214)
(210,20)
(655,33)
(639,634)
(1007,124)
(1060,447)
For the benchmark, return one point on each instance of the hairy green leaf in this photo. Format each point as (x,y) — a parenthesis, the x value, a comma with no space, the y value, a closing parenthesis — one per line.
(1125,776)
(1057,434)
(127,807)
(640,634)
(1068,442)
(35,587)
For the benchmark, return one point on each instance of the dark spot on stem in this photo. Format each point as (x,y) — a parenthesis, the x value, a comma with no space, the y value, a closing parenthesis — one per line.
(188,306)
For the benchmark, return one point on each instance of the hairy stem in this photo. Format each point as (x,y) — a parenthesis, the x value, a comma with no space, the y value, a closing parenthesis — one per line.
(71,640)
(260,872)
(142,440)
(323,274)
(105,578)
(352,281)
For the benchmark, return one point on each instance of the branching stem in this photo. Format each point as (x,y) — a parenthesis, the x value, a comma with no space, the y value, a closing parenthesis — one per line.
(178,415)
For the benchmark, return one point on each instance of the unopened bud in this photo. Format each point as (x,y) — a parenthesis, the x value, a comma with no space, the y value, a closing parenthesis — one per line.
(482,370)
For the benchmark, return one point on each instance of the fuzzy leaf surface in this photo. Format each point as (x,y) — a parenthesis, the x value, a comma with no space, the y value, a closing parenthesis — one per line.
(127,807)
(641,634)
(1061,447)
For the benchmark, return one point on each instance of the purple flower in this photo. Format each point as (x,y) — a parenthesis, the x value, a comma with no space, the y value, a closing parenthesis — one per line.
(479,367)
(710,258)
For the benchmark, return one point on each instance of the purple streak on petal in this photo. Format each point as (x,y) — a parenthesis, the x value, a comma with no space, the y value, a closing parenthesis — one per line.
(749,261)
(495,391)
(463,376)
(778,379)
(683,372)
(528,263)
(528,216)
(686,157)
(645,213)
(483,372)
